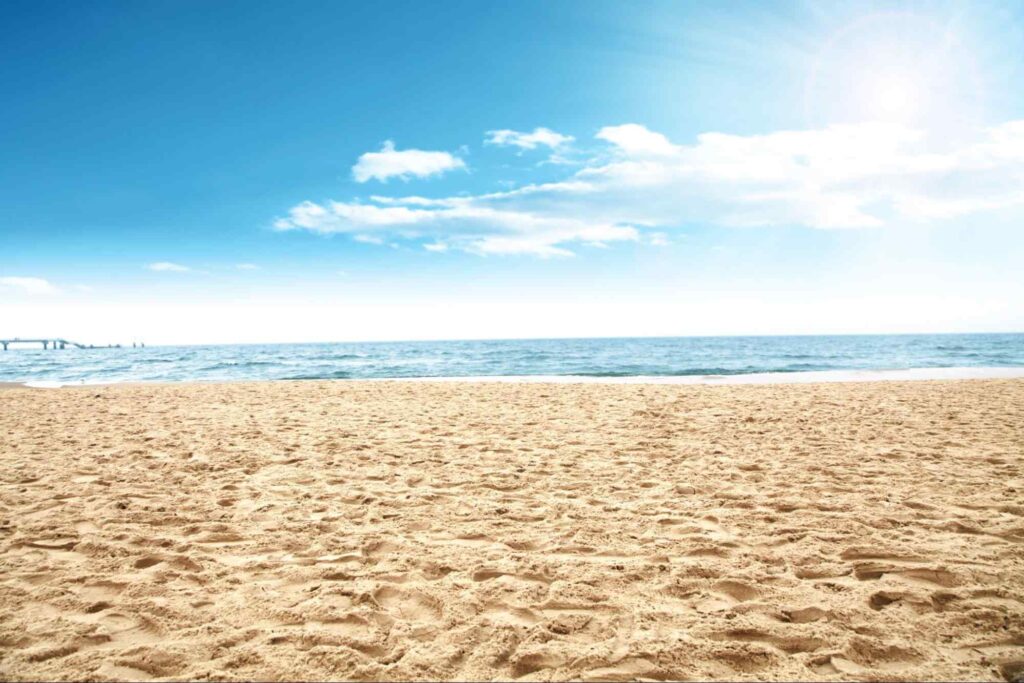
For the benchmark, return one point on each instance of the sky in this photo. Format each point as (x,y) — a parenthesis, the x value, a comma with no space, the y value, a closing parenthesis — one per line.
(239,172)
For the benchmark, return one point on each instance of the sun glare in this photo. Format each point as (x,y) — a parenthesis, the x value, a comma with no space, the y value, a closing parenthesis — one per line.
(893,98)
(896,67)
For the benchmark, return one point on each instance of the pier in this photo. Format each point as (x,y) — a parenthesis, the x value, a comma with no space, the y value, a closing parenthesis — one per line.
(55,344)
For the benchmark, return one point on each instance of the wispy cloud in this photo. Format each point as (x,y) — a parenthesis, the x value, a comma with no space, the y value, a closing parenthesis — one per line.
(539,137)
(167,267)
(246,266)
(869,175)
(28,285)
(393,163)
(475,228)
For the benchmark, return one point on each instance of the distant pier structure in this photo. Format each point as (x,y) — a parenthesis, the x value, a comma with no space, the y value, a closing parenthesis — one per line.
(57,344)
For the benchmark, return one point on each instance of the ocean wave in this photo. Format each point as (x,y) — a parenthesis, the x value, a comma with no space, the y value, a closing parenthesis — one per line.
(336,374)
(651,372)
(231,365)
(804,367)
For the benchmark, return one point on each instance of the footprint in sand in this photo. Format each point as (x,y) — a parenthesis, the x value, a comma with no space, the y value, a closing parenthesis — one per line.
(725,594)
(409,605)
(870,571)
(804,615)
(101,590)
(502,613)
(788,644)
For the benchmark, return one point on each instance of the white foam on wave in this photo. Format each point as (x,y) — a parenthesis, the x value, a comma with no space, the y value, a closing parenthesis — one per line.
(908,374)
(56,384)
(46,384)
(753,378)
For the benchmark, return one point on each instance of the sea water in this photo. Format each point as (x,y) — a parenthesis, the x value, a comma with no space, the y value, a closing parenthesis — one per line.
(679,357)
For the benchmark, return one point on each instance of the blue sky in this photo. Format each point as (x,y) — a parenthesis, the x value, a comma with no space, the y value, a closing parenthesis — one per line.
(229,172)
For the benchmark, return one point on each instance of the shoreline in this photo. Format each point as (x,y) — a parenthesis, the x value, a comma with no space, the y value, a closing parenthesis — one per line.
(807,377)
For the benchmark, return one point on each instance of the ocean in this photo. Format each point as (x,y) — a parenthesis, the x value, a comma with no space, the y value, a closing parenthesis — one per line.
(679,357)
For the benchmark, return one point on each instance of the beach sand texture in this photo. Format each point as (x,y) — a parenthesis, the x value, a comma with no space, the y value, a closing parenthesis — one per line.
(391,530)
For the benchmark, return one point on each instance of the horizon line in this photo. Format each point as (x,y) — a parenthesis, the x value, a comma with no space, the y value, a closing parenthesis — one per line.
(123,345)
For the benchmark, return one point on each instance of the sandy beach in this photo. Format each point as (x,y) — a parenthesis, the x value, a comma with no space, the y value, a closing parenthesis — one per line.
(408,530)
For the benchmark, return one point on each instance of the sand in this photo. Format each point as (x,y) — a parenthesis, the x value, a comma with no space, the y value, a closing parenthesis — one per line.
(380,530)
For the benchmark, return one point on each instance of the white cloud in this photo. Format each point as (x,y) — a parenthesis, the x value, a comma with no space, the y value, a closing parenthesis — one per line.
(167,267)
(539,137)
(472,227)
(870,175)
(635,139)
(247,266)
(28,285)
(436,247)
(368,239)
(392,163)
